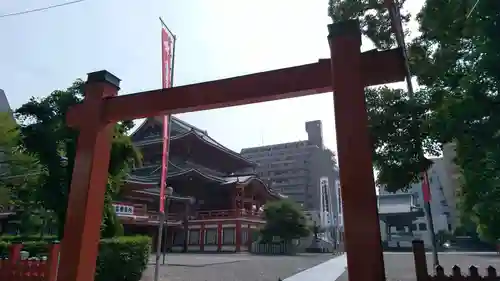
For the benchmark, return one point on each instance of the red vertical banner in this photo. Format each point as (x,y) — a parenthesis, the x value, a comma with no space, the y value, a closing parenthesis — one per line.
(167,46)
(167,43)
(426,189)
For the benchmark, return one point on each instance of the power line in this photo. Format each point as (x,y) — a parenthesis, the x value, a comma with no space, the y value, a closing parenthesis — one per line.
(40,9)
(472,10)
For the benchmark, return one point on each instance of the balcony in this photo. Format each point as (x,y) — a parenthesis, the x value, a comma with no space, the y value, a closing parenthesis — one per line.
(139,214)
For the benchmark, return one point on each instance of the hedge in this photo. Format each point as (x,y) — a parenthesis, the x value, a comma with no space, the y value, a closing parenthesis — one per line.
(123,258)
(18,238)
(120,259)
(35,248)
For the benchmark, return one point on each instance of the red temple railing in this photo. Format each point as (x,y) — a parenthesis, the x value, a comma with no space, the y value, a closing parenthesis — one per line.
(228,214)
(15,269)
(140,214)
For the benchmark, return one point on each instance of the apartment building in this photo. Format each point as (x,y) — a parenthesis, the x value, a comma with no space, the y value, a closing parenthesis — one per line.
(305,171)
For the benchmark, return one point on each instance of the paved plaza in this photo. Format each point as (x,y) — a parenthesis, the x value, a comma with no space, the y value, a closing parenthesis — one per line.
(233,267)
(400,266)
(310,267)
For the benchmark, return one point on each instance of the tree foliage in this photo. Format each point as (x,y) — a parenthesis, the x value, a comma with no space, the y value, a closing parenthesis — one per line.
(284,219)
(19,174)
(396,125)
(456,62)
(45,134)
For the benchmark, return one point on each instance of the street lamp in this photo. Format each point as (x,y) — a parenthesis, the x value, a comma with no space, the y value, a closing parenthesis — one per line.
(188,201)
(168,193)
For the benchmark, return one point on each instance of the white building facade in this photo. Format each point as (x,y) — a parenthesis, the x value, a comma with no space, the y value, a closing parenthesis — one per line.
(441,209)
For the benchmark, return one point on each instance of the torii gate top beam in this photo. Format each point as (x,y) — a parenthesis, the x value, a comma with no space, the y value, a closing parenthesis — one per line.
(278,84)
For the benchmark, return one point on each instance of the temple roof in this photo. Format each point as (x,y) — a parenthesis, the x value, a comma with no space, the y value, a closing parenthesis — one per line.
(182,132)
(151,182)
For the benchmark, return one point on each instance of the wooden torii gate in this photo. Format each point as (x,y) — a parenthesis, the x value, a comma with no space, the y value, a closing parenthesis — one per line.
(347,73)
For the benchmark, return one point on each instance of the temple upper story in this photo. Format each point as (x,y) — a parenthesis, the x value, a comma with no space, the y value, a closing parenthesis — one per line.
(199,167)
(190,147)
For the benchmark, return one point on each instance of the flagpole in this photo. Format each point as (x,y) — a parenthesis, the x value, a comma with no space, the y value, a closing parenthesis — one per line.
(395,18)
(161,241)
(169,123)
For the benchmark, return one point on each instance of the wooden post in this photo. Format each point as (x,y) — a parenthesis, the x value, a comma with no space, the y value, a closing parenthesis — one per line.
(237,232)
(362,231)
(186,228)
(219,236)
(53,262)
(202,237)
(12,268)
(420,260)
(15,252)
(86,199)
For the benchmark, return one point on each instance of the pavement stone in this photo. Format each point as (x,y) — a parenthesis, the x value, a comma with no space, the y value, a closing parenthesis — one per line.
(329,270)
(401,267)
(236,267)
(194,260)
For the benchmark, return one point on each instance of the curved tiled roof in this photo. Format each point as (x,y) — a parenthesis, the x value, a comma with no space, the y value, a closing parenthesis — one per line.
(247,179)
(188,130)
(224,181)
(212,142)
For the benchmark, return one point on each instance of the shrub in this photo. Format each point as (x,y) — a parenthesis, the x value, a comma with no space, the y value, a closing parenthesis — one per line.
(120,259)
(19,238)
(123,258)
(35,248)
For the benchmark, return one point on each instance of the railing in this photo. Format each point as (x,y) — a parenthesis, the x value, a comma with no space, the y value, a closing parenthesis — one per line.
(456,272)
(228,214)
(141,214)
(280,248)
(16,269)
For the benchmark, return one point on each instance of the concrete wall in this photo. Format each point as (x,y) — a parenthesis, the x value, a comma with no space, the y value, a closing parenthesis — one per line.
(453,184)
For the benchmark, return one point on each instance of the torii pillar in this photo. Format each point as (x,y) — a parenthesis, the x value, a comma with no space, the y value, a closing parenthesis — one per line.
(346,73)
(363,243)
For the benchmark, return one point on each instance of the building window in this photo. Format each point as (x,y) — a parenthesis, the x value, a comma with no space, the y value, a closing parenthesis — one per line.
(194,237)
(211,236)
(422,226)
(228,236)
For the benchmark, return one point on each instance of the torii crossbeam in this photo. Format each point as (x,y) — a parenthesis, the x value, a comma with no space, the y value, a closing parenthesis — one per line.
(346,73)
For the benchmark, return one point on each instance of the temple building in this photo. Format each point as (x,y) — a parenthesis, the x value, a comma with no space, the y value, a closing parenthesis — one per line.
(214,207)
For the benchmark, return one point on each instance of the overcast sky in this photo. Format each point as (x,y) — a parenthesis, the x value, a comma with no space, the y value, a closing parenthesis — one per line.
(44,51)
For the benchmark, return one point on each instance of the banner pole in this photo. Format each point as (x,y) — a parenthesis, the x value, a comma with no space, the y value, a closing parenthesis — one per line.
(162,237)
(395,16)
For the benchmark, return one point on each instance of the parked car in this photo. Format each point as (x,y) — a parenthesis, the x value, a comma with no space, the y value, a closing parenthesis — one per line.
(467,244)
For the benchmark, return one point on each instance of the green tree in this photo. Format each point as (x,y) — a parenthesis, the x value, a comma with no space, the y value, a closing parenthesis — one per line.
(19,174)
(455,60)
(396,125)
(44,119)
(284,219)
